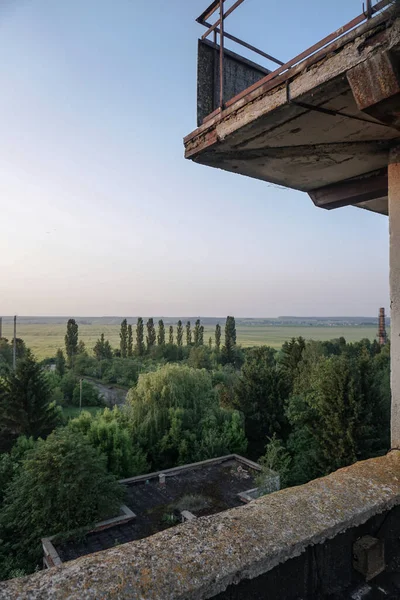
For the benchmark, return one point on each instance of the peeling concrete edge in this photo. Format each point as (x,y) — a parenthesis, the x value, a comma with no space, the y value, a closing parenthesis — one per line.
(48,542)
(196,142)
(203,463)
(200,559)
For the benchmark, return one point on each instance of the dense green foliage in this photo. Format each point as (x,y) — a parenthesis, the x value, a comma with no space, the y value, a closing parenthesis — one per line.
(60,486)
(177,419)
(303,411)
(102,349)
(25,403)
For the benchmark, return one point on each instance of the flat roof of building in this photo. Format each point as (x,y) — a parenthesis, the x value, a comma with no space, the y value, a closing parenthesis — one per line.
(202,489)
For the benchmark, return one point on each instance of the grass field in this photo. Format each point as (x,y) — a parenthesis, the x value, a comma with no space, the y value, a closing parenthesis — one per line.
(44,340)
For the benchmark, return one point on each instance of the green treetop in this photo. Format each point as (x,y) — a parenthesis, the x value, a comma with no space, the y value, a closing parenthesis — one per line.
(139,348)
(161,333)
(71,341)
(130,341)
(123,336)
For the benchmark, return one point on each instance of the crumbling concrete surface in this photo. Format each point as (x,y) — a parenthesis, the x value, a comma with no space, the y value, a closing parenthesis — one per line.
(200,559)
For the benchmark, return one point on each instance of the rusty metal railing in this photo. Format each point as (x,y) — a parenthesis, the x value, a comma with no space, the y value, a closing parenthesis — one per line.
(218,29)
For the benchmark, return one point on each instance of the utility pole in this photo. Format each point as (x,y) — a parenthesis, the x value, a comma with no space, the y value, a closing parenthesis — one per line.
(15,344)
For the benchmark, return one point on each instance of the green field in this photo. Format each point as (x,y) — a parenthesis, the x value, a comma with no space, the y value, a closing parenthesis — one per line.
(44,340)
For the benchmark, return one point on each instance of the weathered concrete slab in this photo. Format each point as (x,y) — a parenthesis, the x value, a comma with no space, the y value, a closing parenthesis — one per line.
(329,119)
(200,559)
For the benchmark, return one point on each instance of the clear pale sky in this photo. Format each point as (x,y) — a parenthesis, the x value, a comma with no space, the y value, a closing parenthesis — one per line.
(101,214)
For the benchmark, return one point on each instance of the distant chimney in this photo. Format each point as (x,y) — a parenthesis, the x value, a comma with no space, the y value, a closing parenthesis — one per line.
(382,335)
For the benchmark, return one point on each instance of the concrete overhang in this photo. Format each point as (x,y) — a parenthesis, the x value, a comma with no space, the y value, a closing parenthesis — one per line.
(325,126)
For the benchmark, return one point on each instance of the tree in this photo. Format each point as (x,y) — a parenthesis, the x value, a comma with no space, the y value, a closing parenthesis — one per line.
(60,362)
(130,340)
(139,348)
(110,434)
(71,341)
(210,342)
(123,336)
(292,353)
(179,334)
(176,418)
(201,335)
(81,348)
(161,333)
(90,395)
(276,458)
(151,334)
(199,358)
(197,333)
(188,334)
(171,334)
(26,407)
(260,394)
(230,340)
(62,485)
(217,337)
(102,349)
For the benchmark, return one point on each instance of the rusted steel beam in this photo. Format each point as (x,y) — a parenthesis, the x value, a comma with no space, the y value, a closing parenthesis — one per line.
(218,23)
(207,13)
(362,189)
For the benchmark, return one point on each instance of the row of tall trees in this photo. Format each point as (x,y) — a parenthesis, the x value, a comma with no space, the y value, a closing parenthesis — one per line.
(145,343)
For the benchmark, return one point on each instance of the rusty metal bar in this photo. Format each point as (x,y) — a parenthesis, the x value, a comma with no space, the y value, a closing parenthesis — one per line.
(218,23)
(368,13)
(208,12)
(330,38)
(221,53)
(245,44)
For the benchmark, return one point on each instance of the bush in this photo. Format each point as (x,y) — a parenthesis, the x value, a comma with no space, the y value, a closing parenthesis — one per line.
(90,395)
(62,485)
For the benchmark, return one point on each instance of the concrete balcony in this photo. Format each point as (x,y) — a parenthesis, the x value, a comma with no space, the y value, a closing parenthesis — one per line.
(323,123)
(323,539)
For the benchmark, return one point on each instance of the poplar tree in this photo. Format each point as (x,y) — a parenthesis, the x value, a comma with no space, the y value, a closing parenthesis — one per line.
(188,334)
(102,349)
(151,334)
(161,333)
(196,333)
(124,339)
(60,362)
(230,339)
(179,333)
(140,337)
(210,342)
(171,334)
(217,337)
(71,341)
(201,335)
(130,340)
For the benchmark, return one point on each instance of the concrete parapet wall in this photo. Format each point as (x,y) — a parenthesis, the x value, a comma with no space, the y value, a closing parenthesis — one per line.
(210,555)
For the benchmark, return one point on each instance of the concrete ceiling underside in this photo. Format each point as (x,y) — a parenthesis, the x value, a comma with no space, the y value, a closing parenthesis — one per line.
(323,132)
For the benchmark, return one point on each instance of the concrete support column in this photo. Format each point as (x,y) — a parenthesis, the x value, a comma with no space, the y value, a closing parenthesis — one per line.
(394,228)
